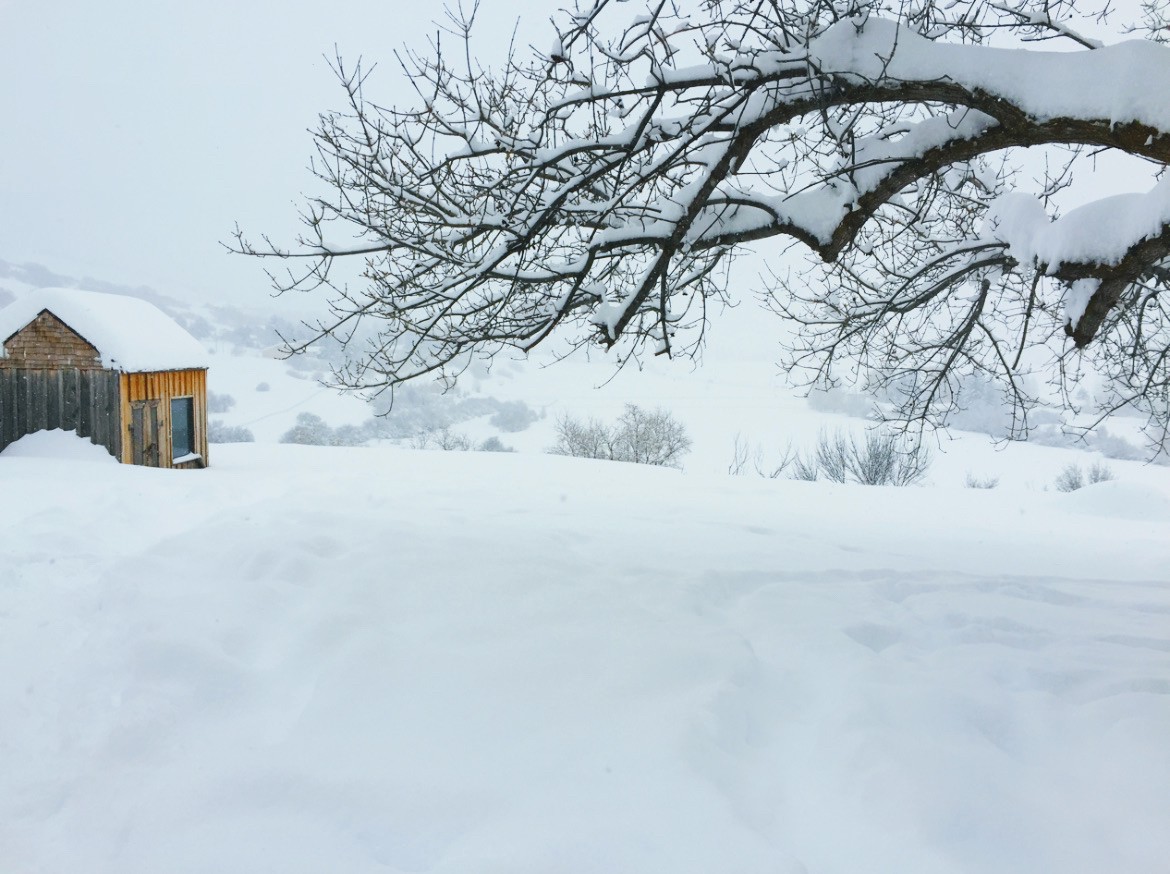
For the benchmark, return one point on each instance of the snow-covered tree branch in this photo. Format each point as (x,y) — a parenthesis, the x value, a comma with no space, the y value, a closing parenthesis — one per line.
(600,189)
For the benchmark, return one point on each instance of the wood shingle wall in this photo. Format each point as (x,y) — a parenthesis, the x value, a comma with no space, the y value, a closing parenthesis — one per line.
(47,343)
(51,377)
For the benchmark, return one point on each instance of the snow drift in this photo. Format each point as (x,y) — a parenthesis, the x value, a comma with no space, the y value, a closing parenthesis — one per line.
(308,660)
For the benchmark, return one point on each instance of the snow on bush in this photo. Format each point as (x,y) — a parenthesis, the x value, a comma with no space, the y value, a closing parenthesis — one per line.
(219,403)
(310,430)
(421,408)
(840,400)
(513,416)
(640,436)
(494,444)
(218,432)
(1073,477)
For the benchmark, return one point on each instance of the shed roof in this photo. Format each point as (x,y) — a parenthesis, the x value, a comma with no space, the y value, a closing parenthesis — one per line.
(130,334)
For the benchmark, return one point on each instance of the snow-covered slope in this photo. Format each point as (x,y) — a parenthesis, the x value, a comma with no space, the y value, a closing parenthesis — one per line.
(376,660)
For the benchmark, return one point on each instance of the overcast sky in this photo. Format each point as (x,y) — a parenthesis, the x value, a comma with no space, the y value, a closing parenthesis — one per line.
(136,133)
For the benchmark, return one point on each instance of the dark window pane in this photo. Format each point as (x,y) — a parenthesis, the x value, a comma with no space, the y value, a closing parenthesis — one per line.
(182,427)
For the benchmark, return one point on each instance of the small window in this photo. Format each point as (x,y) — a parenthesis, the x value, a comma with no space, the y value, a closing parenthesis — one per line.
(182,427)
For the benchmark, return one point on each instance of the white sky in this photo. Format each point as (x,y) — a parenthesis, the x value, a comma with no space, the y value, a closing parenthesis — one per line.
(135,133)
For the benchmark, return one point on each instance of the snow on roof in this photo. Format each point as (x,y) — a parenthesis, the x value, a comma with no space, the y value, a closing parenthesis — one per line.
(129,333)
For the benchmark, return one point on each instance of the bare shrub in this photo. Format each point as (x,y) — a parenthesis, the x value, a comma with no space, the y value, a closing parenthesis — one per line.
(747,458)
(441,438)
(640,436)
(980,482)
(650,437)
(804,469)
(882,458)
(832,454)
(453,441)
(582,439)
(1072,477)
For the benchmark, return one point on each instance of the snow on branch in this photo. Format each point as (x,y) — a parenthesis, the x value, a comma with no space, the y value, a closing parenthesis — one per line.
(599,192)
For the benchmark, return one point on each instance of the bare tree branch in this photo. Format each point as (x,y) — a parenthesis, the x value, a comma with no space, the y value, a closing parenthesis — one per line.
(600,190)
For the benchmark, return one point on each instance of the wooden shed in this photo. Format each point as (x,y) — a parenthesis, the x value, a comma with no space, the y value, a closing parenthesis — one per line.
(115,369)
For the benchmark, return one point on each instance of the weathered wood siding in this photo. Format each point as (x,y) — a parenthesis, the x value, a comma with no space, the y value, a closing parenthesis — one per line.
(51,377)
(146,415)
(47,343)
(85,401)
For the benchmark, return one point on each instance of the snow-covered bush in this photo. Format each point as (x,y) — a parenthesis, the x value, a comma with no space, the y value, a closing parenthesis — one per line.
(1115,446)
(421,408)
(882,458)
(513,416)
(310,430)
(582,439)
(217,403)
(1073,478)
(411,410)
(494,444)
(840,400)
(442,438)
(218,432)
(263,386)
(1101,440)
(1100,473)
(452,441)
(640,436)
(982,406)
(350,435)
(1070,479)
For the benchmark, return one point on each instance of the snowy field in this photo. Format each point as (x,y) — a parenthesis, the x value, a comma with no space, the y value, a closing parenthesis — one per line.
(381,660)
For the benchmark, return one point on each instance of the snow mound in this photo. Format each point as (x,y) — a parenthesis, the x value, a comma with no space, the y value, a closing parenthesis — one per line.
(57,444)
(1121,500)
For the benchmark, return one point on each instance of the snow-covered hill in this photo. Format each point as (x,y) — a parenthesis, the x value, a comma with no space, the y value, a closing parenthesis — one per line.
(365,660)
(735,395)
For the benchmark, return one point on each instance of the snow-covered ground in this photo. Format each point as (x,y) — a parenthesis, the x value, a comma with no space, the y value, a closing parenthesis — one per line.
(381,660)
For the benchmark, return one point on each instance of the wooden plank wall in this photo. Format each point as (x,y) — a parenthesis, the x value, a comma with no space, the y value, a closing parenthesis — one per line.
(163,386)
(85,401)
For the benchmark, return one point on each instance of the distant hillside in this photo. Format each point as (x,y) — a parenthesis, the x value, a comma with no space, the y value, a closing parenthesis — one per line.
(241,327)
